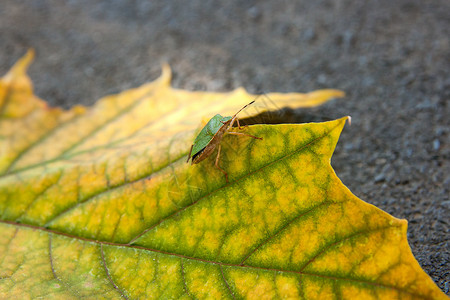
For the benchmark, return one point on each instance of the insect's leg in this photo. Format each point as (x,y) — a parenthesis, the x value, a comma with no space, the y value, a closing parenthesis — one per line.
(239,125)
(232,122)
(241,133)
(190,151)
(217,164)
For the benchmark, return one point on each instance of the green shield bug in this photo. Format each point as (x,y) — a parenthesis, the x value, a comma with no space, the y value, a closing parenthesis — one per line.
(210,137)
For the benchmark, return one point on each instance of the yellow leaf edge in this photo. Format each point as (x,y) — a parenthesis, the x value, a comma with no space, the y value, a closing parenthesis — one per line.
(294,100)
(428,285)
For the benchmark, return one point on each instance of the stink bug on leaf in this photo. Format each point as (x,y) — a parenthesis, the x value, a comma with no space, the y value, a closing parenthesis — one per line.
(210,137)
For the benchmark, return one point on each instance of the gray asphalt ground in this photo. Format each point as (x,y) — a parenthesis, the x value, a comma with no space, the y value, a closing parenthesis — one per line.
(391,57)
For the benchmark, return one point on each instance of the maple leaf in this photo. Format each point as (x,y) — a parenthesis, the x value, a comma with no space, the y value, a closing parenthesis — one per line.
(99,202)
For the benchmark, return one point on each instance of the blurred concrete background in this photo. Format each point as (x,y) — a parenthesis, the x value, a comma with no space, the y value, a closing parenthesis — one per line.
(391,57)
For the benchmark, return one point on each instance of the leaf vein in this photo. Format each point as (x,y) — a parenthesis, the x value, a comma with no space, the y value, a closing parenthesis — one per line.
(38,141)
(8,245)
(226,282)
(283,227)
(183,277)
(62,155)
(330,245)
(108,274)
(51,259)
(109,189)
(40,194)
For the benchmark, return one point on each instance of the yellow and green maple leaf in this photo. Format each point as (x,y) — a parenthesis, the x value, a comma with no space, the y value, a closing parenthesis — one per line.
(99,203)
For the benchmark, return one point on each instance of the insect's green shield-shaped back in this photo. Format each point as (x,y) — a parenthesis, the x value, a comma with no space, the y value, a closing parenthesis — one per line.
(208,132)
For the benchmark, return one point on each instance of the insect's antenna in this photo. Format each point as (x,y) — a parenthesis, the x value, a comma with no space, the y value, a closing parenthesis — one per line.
(269,114)
(243,108)
(256,107)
